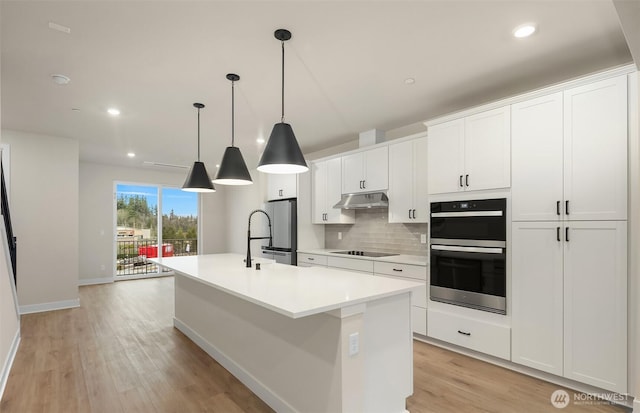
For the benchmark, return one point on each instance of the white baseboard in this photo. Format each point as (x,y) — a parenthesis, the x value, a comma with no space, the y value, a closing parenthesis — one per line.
(6,368)
(93,281)
(57,305)
(263,392)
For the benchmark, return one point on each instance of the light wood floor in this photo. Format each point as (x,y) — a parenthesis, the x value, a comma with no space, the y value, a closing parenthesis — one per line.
(120,353)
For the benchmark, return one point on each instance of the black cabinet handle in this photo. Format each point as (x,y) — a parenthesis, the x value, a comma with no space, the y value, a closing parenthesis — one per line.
(409,214)
(566,234)
(466,180)
(558,233)
(310,258)
(364,184)
(566,207)
(414,214)
(558,208)
(464,333)
(397,269)
(280,192)
(461,181)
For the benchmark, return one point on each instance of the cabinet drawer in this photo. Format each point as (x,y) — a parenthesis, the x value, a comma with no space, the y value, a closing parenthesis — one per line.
(488,338)
(403,270)
(418,296)
(318,260)
(419,320)
(350,264)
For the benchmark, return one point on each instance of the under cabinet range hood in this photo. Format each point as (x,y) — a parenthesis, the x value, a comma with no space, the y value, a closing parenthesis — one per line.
(361,201)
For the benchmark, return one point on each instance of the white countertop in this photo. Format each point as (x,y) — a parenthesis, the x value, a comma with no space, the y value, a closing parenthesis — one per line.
(399,259)
(289,290)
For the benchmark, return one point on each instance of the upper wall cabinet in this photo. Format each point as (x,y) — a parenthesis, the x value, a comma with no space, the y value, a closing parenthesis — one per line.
(326,182)
(469,154)
(408,181)
(569,153)
(366,171)
(281,186)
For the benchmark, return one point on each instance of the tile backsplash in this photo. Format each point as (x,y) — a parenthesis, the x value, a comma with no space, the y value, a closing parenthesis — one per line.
(373,232)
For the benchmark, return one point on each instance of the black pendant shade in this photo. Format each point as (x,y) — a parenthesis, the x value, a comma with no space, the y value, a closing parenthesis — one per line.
(198,179)
(233,170)
(282,155)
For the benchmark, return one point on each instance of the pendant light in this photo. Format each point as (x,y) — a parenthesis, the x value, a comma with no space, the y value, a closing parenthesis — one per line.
(198,179)
(282,155)
(233,170)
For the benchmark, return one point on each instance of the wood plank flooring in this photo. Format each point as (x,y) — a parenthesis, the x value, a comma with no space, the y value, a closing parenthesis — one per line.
(119,352)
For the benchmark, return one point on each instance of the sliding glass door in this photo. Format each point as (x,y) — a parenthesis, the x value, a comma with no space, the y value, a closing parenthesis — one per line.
(142,233)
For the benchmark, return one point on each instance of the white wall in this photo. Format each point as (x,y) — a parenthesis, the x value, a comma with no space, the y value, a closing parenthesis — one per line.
(9,318)
(97,230)
(44,202)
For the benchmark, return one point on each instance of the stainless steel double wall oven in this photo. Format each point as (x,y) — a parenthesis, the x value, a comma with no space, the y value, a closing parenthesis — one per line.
(468,253)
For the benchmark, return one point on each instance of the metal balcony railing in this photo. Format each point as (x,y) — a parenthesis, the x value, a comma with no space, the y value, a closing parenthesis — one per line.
(132,254)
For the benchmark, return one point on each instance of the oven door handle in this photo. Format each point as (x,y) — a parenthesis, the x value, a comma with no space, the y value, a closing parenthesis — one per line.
(457,248)
(467,214)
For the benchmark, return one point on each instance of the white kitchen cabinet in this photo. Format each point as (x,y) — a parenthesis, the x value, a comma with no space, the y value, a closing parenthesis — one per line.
(282,186)
(478,335)
(595,150)
(569,154)
(570,300)
(537,285)
(408,182)
(595,304)
(311,260)
(366,171)
(472,153)
(326,182)
(418,298)
(536,159)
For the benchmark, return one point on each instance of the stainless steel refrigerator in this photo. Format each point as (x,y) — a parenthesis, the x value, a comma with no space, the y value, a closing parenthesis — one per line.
(284,228)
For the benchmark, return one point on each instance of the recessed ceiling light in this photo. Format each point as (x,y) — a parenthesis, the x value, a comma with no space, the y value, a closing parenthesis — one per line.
(113,111)
(218,166)
(60,79)
(524,30)
(260,140)
(409,81)
(131,154)
(59,28)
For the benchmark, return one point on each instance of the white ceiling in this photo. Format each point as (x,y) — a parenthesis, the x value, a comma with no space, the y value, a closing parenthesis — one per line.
(345,67)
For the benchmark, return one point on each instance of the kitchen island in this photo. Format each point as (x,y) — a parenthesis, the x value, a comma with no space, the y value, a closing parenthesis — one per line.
(303,339)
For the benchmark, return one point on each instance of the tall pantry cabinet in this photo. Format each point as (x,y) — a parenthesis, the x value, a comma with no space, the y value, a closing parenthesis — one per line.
(569,233)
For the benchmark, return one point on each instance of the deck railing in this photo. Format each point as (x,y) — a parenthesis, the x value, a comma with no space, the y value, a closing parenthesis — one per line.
(132,254)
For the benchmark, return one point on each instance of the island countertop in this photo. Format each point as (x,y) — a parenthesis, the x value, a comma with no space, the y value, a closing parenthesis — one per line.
(289,290)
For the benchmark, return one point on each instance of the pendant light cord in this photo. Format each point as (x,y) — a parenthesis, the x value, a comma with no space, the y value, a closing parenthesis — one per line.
(282,117)
(198,134)
(233,108)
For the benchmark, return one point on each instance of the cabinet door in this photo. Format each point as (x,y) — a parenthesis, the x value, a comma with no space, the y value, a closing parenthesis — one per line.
(376,169)
(280,186)
(352,173)
(420,171)
(595,150)
(401,174)
(537,291)
(536,154)
(445,157)
(487,150)
(595,304)
(319,190)
(334,194)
